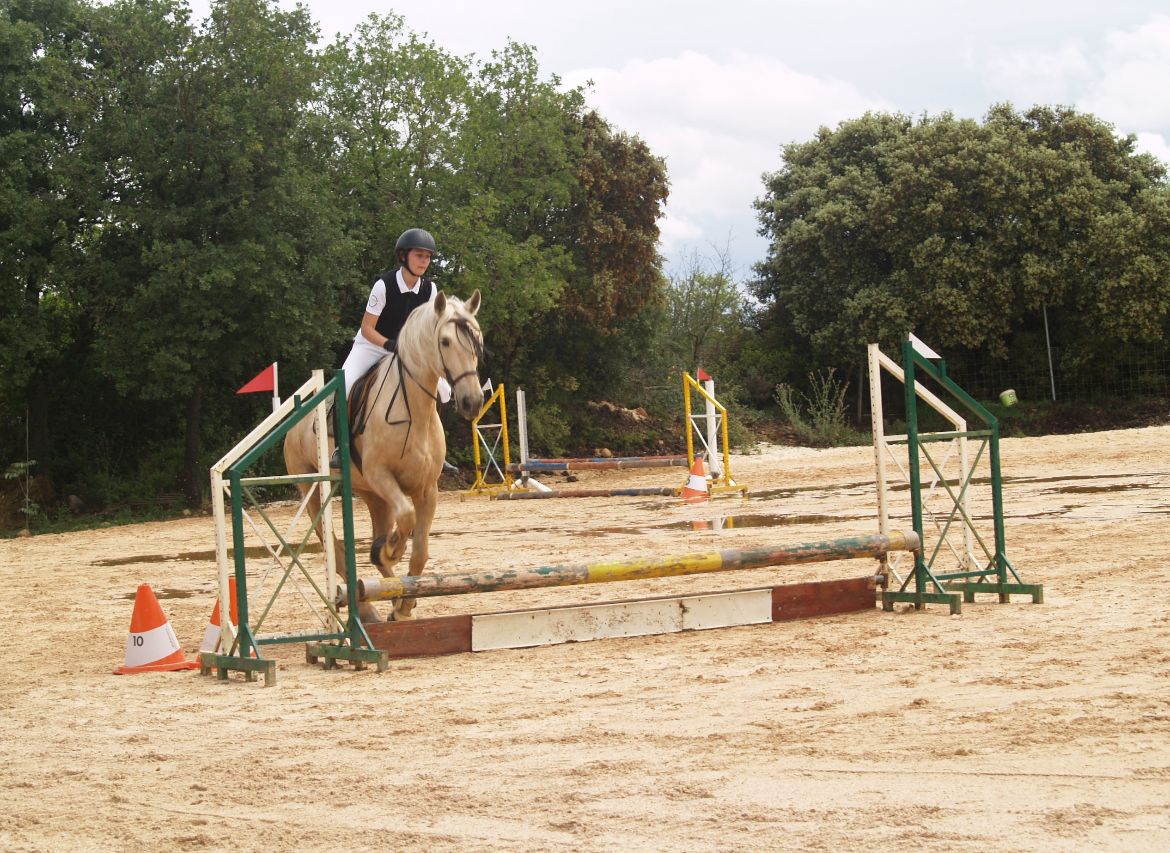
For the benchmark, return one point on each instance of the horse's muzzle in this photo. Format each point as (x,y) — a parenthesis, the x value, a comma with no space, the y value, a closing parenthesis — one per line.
(470,402)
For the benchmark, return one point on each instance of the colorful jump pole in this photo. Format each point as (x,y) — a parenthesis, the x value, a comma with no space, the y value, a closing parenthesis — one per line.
(730,559)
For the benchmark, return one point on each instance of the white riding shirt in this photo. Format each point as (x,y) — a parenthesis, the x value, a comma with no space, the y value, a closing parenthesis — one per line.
(365,354)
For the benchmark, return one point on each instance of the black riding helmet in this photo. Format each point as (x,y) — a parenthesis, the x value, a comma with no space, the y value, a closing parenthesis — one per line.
(413,238)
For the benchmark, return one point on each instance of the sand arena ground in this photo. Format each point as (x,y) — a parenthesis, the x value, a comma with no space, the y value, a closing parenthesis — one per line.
(1009,727)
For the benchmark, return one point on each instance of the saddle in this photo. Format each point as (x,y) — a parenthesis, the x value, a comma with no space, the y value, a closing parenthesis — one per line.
(357,406)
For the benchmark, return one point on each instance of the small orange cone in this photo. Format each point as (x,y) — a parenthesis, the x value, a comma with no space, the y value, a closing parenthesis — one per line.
(696,488)
(211,634)
(152,645)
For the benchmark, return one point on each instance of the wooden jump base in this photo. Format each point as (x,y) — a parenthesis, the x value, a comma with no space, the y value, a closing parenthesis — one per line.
(518,629)
(588,493)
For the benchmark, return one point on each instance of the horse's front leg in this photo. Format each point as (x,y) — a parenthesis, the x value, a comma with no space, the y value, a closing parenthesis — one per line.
(379,522)
(398,521)
(424,508)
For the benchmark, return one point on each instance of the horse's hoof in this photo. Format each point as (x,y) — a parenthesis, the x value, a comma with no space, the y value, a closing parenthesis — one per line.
(376,550)
(387,551)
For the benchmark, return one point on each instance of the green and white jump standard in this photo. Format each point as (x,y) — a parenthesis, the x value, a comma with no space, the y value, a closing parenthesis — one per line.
(332,638)
(982,562)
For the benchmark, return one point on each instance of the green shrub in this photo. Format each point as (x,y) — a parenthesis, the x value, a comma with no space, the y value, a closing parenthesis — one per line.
(548,430)
(819,416)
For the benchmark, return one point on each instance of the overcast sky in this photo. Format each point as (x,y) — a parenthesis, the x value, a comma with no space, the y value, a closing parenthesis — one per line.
(718,87)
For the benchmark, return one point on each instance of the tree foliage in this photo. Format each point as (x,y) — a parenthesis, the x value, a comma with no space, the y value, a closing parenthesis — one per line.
(964,232)
(218,234)
(42,204)
(705,308)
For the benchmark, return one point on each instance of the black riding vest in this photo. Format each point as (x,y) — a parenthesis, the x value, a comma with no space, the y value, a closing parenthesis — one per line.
(399,305)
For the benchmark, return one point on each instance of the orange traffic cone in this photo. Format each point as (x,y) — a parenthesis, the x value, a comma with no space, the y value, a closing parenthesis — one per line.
(152,645)
(211,634)
(696,488)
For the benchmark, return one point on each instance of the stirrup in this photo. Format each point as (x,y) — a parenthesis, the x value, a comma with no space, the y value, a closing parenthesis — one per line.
(335,459)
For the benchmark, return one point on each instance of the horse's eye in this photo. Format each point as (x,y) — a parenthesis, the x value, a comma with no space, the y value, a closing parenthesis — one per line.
(446,342)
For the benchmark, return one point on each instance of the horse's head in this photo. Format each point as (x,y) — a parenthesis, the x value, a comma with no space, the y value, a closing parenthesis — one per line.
(460,347)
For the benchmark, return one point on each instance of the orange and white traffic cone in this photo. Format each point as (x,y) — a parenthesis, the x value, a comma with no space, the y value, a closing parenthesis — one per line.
(152,645)
(696,488)
(212,633)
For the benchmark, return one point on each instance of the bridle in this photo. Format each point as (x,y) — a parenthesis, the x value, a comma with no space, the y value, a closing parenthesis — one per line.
(463,332)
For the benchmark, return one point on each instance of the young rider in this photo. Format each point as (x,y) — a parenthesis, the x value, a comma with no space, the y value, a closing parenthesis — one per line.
(389,305)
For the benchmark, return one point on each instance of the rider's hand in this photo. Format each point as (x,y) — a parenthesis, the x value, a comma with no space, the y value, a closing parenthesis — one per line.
(389,344)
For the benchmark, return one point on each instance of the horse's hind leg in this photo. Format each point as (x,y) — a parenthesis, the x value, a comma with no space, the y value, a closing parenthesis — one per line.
(424,508)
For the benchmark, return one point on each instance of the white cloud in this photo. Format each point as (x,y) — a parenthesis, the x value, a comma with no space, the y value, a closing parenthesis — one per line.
(720,125)
(1134,79)
(1154,143)
(1122,80)
(1028,77)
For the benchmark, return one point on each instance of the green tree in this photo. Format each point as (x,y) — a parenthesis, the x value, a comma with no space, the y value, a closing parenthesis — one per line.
(478,153)
(964,231)
(530,197)
(394,106)
(705,309)
(515,174)
(43,203)
(218,249)
(603,338)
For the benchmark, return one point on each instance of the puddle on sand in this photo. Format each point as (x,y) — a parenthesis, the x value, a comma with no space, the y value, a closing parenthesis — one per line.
(251,551)
(771,493)
(1099,490)
(793,491)
(1128,476)
(607,531)
(165,593)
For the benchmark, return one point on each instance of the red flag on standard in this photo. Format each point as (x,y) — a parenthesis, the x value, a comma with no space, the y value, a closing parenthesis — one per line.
(265,380)
(702,375)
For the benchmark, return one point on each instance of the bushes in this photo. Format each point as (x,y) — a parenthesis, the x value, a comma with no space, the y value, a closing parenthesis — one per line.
(819,417)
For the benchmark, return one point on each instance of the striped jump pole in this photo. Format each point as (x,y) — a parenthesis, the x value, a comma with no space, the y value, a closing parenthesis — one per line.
(536,466)
(729,559)
(636,491)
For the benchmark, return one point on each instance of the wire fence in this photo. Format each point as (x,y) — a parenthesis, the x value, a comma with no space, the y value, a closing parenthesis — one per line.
(1137,375)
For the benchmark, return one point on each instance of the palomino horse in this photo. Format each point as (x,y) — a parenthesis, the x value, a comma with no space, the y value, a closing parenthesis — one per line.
(401,441)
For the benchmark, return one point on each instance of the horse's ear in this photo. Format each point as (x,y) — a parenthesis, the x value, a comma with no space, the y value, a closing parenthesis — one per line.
(440,302)
(472,304)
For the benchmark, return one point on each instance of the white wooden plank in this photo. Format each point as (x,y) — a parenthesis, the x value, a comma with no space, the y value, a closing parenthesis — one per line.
(619,619)
(720,610)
